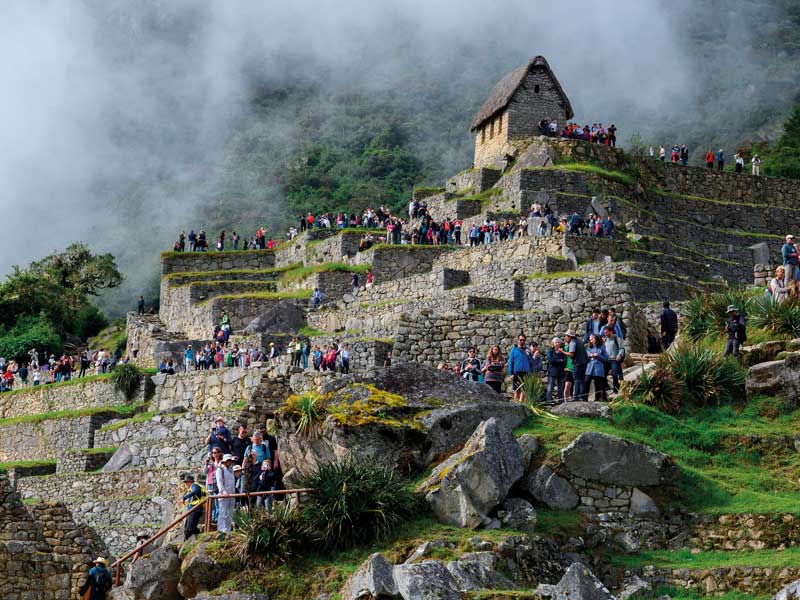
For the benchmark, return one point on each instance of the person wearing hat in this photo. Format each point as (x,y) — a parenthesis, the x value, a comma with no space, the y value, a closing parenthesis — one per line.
(194,495)
(219,436)
(669,326)
(140,543)
(789,256)
(98,580)
(577,352)
(737,334)
(226,485)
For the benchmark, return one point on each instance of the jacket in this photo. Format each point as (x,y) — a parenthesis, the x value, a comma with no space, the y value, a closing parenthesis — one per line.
(787,250)
(580,357)
(100,581)
(556,361)
(669,321)
(519,361)
(597,362)
(226,480)
(590,328)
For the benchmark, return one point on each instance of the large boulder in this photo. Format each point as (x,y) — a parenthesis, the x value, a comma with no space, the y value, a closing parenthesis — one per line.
(428,580)
(552,490)
(587,410)
(608,459)
(578,583)
(200,572)
(531,561)
(789,592)
(765,378)
(404,417)
(373,579)
(464,489)
(479,571)
(791,380)
(763,352)
(282,317)
(121,459)
(519,514)
(155,576)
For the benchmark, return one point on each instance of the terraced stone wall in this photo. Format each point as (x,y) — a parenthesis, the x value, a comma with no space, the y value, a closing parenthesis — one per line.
(335,248)
(402,260)
(447,206)
(333,284)
(189,262)
(295,251)
(204,316)
(473,180)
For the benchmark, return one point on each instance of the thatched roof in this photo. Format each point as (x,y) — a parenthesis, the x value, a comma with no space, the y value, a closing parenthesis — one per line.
(504,90)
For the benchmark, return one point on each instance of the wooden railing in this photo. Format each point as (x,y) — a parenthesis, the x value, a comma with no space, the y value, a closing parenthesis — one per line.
(206,505)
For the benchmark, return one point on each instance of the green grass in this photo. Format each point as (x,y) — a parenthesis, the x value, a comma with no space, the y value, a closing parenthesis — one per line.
(5,466)
(684,559)
(233,272)
(743,205)
(122,410)
(562,275)
(493,311)
(140,418)
(428,190)
(308,331)
(303,294)
(111,337)
(240,282)
(300,273)
(723,470)
(618,176)
(484,197)
(60,384)
(677,593)
(212,252)
(105,450)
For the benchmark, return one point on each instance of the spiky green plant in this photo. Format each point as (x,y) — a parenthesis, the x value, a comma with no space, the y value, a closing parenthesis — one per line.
(654,387)
(781,318)
(355,501)
(310,409)
(126,378)
(267,537)
(533,391)
(706,313)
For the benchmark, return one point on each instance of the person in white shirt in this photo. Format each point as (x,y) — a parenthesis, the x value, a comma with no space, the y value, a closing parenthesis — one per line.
(756,161)
(226,485)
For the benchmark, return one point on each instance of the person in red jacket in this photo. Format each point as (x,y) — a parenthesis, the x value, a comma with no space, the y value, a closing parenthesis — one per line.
(710,159)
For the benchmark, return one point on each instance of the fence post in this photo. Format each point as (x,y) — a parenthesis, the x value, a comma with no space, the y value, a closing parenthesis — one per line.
(207,516)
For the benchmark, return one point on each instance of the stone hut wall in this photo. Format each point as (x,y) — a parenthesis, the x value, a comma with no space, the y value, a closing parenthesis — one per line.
(335,248)
(490,140)
(529,106)
(188,262)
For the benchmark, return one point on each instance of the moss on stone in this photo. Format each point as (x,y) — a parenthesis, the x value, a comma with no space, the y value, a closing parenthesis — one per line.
(303,294)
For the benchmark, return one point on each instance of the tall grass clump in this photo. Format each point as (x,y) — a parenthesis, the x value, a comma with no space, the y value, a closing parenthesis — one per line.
(704,314)
(267,537)
(355,501)
(126,378)
(782,318)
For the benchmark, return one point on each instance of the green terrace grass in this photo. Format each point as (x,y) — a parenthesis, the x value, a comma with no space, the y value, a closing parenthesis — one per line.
(562,275)
(494,311)
(689,197)
(308,331)
(723,470)
(26,464)
(233,272)
(618,176)
(213,252)
(59,384)
(413,247)
(139,418)
(303,294)
(684,559)
(243,282)
(301,273)
(122,410)
(484,197)
(105,450)
(426,190)
(111,337)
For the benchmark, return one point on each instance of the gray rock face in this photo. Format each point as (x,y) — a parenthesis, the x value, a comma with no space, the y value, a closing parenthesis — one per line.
(373,579)
(282,317)
(632,586)
(516,513)
(233,596)
(791,380)
(464,489)
(478,571)
(531,561)
(428,580)
(154,577)
(588,410)
(790,592)
(552,490)
(578,583)
(530,448)
(426,548)
(765,378)
(642,504)
(200,572)
(609,459)
(121,459)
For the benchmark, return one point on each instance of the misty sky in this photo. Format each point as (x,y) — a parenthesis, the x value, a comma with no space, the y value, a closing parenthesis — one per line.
(110,107)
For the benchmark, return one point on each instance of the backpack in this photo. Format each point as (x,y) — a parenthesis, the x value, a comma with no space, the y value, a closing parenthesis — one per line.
(102,581)
(201,498)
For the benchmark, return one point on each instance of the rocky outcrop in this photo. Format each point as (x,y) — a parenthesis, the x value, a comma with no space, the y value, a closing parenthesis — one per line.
(154,577)
(283,317)
(479,571)
(428,580)
(588,410)
(200,571)
(550,489)
(373,579)
(578,583)
(608,459)
(519,514)
(789,592)
(765,378)
(464,489)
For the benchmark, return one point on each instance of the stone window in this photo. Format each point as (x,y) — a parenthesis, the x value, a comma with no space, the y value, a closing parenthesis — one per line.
(536,89)
(491,129)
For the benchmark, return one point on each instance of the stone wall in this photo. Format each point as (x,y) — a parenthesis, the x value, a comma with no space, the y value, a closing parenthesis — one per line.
(79,461)
(333,284)
(295,251)
(521,188)
(149,341)
(48,439)
(762,581)
(336,248)
(447,206)
(242,310)
(473,180)
(394,261)
(78,394)
(188,262)
(536,99)
(216,388)
(491,140)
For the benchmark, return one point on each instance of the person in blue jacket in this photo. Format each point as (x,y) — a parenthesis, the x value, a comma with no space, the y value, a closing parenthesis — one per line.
(596,369)
(519,365)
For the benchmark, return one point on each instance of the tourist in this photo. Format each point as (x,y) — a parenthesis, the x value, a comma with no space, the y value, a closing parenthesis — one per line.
(219,436)
(470,368)
(188,358)
(140,546)
(370,279)
(344,359)
(494,369)
(709,159)
(226,485)
(662,154)
(316,298)
(240,444)
(684,155)
(192,240)
(652,153)
(257,454)
(669,326)
(735,329)
(387,361)
(194,495)
(594,325)
(140,306)
(98,580)
(305,353)
(615,354)
(556,361)
(739,162)
(596,368)
(84,363)
(577,352)
(789,255)
(721,159)
(756,162)
(776,288)
(653,343)
(519,365)
(354,282)
(612,136)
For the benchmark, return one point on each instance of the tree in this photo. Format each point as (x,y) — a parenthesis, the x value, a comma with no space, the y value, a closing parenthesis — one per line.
(783,159)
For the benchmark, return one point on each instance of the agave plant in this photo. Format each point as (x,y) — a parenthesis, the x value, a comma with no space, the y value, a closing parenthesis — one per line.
(266,537)
(776,317)
(311,411)
(533,391)
(655,387)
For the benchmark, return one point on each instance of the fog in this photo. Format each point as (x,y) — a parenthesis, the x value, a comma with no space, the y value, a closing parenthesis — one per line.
(114,114)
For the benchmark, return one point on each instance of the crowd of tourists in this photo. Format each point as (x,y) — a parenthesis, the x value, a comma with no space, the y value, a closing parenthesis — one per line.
(197,241)
(595,133)
(713,158)
(43,369)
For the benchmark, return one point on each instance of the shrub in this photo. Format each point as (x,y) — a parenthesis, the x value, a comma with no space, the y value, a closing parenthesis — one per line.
(776,317)
(655,388)
(310,410)
(355,501)
(126,379)
(265,537)
(29,332)
(705,313)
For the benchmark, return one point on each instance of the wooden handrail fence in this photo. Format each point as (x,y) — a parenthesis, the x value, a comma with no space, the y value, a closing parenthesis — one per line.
(206,505)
